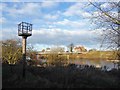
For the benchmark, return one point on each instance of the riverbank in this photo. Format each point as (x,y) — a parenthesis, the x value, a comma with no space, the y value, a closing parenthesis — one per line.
(59,77)
(94,55)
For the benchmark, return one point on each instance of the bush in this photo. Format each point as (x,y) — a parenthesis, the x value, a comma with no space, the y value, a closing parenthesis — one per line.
(59,77)
(57,60)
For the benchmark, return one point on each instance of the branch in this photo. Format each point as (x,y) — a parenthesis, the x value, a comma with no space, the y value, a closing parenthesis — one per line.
(114,20)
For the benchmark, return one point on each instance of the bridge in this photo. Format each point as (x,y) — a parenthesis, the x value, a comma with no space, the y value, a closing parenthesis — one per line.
(66,54)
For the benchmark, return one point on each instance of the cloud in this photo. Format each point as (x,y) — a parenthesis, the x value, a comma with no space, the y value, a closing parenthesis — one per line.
(115,14)
(60,36)
(70,23)
(73,10)
(23,9)
(51,17)
(48,37)
(49,4)
(51,26)
(57,36)
(77,10)
(16,0)
(107,5)
(8,33)
(2,20)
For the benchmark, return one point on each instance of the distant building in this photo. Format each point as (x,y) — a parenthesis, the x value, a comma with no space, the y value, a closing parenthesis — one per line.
(92,50)
(79,49)
(43,50)
(47,50)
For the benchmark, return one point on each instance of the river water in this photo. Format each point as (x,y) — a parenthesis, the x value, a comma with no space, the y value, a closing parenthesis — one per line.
(97,63)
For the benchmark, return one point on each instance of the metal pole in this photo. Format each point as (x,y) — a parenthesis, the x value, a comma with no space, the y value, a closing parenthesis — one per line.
(24,54)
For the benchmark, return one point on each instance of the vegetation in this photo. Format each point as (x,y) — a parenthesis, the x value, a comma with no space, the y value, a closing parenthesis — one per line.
(105,55)
(71,46)
(107,19)
(58,74)
(30,52)
(109,55)
(57,59)
(60,77)
(11,51)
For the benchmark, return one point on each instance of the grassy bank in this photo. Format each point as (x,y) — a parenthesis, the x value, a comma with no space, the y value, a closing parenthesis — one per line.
(59,77)
(105,55)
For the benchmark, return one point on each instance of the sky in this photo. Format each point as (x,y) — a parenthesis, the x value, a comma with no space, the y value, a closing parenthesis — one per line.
(54,23)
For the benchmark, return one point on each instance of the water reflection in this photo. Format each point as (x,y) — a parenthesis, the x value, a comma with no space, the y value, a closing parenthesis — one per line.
(97,63)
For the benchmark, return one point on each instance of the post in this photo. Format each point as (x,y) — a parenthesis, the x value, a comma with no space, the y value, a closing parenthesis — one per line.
(24,30)
(68,59)
(24,54)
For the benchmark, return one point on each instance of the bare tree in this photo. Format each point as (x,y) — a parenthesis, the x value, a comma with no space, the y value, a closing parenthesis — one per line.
(31,52)
(71,46)
(56,56)
(107,18)
(11,51)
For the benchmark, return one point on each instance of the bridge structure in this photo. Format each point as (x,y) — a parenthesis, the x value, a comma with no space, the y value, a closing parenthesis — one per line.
(66,54)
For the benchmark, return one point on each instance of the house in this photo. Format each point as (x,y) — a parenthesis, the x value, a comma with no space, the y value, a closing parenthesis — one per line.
(79,49)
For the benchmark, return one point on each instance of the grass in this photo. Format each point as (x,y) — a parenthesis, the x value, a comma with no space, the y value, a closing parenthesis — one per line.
(95,55)
(59,77)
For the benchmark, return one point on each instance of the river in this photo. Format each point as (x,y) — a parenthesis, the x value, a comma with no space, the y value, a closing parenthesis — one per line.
(97,63)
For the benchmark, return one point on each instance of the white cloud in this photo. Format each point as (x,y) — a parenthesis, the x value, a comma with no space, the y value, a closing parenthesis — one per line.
(56,36)
(86,14)
(106,5)
(29,8)
(9,33)
(51,17)
(24,9)
(62,36)
(114,14)
(73,10)
(96,14)
(2,6)
(16,0)
(2,20)
(109,6)
(77,9)
(49,4)
(74,24)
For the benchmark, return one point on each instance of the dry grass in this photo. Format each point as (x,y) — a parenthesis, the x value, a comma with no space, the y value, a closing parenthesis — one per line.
(59,77)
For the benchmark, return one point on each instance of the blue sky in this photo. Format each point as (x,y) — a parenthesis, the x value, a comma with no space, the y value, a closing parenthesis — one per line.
(54,23)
